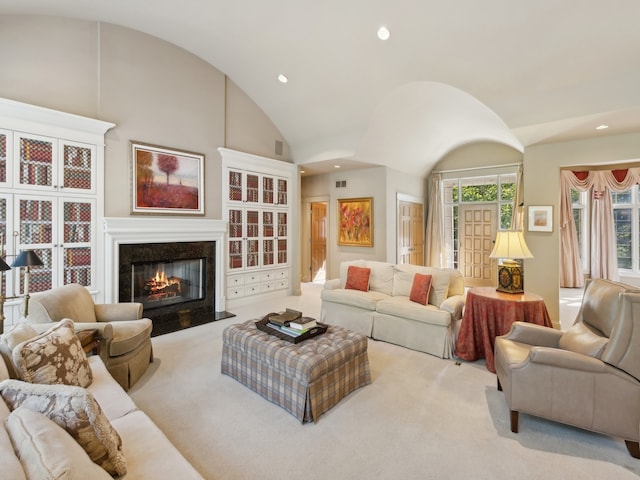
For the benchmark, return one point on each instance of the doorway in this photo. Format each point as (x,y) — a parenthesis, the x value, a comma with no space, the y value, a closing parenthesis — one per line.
(410,248)
(478,227)
(318,263)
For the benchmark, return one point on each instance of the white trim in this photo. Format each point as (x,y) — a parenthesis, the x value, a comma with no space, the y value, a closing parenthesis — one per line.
(126,230)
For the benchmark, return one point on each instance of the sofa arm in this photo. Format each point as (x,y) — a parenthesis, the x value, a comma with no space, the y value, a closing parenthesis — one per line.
(533,334)
(454,305)
(113,312)
(559,358)
(332,284)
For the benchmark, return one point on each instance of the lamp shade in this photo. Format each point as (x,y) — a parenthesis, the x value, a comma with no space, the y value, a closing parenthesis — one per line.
(3,266)
(27,258)
(510,244)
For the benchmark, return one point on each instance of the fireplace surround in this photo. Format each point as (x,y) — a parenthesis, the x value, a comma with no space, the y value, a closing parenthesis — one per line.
(165,240)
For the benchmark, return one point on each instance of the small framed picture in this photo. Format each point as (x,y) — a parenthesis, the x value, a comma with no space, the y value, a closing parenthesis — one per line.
(540,218)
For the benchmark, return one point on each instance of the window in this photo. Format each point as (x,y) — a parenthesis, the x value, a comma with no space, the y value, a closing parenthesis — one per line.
(626,208)
(579,203)
(499,189)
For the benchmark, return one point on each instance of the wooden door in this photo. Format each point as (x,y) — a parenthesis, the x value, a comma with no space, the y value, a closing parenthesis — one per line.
(410,233)
(477,226)
(318,241)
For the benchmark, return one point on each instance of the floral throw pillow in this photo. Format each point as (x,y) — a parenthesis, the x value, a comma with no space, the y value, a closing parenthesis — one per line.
(420,288)
(358,278)
(75,410)
(56,356)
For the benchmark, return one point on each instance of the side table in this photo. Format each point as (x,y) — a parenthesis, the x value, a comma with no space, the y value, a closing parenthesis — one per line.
(90,341)
(488,314)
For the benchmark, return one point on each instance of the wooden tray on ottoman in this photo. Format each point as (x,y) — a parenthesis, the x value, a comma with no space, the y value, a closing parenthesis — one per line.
(312,332)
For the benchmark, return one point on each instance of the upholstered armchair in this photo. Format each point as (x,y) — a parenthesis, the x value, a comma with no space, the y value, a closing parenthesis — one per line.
(589,375)
(125,337)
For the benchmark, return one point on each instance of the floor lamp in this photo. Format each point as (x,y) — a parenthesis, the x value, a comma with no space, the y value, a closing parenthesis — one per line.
(3,268)
(27,259)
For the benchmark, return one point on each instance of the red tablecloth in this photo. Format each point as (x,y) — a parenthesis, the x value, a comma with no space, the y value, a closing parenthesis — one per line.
(488,314)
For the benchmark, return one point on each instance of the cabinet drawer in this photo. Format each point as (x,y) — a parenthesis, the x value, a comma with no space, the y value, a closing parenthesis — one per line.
(252,289)
(281,284)
(268,287)
(251,278)
(236,281)
(235,292)
(280,274)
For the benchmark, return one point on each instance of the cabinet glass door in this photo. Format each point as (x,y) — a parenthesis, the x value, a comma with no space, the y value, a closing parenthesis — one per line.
(282,238)
(253,188)
(268,194)
(282,191)
(235,240)
(5,151)
(36,160)
(36,233)
(253,242)
(77,236)
(77,167)
(235,186)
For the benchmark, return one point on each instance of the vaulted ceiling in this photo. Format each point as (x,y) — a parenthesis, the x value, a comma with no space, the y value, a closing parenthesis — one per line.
(515,72)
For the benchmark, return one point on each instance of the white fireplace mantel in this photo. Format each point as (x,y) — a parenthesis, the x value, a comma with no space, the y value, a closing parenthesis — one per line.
(127,230)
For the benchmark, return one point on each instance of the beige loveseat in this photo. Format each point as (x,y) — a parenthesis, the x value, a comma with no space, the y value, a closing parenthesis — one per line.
(146,450)
(385,312)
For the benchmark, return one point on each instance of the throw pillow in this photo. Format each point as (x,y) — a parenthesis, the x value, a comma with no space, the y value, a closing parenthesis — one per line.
(74,409)
(420,288)
(46,450)
(19,333)
(358,278)
(56,356)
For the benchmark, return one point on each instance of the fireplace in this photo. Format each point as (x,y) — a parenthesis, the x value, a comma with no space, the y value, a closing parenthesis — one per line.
(178,277)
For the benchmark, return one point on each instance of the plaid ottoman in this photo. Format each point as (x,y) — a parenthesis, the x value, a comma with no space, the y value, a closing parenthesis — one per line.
(306,379)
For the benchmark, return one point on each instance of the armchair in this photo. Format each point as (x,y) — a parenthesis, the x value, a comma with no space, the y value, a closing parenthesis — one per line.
(589,375)
(125,337)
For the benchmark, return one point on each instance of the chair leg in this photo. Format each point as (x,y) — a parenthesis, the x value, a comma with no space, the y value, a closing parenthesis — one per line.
(499,385)
(514,420)
(633,447)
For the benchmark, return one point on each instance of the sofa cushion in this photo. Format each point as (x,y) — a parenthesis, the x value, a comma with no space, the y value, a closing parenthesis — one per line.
(10,466)
(355,298)
(55,356)
(109,394)
(401,306)
(19,333)
(420,288)
(357,278)
(403,282)
(69,301)
(581,339)
(381,278)
(47,451)
(128,335)
(74,409)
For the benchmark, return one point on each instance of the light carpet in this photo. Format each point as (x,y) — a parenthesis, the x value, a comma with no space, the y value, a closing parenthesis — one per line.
(421,418)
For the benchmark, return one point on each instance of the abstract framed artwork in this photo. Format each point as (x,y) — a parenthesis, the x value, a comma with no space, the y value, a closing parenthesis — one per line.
(166,181)
(540,218)
(355,221)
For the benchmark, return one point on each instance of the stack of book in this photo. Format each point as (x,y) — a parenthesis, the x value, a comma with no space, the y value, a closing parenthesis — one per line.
(291,322)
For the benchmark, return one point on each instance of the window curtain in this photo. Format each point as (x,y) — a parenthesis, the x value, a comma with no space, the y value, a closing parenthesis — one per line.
(435,252)
(517,215)
(604,261)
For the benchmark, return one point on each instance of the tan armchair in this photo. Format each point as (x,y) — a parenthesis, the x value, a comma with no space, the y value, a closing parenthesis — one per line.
(589,375)
(125,337)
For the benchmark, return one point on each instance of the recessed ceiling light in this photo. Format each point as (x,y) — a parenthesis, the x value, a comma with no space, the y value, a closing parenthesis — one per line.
(302,171)
(336,166)
(283,78)
(602,127)
(384,33)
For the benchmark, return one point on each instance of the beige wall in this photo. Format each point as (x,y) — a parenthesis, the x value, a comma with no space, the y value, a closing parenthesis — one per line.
(381,183)
(542,165)
(154,92)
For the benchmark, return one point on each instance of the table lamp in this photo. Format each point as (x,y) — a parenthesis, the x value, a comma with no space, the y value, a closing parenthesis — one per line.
(3,268)
(511,248)
(27,259)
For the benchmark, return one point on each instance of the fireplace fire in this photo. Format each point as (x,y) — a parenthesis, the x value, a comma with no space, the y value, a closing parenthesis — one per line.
(156,284)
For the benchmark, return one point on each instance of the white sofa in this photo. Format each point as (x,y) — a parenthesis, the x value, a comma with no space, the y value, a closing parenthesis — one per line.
(385,312)
(147,451)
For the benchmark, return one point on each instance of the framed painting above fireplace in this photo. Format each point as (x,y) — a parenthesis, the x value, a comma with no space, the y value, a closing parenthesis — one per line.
(166,181)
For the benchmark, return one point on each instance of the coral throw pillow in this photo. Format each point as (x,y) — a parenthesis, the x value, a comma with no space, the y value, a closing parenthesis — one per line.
(420,288)
(358,278)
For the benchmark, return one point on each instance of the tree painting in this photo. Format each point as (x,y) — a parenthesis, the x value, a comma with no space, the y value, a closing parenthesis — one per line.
(167,181)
